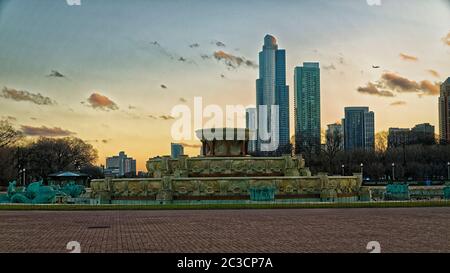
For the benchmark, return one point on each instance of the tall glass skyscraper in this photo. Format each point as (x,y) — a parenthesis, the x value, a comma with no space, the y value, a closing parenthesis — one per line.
(271,89)
(251,124)
(444,112)
(307,108)
(359,128)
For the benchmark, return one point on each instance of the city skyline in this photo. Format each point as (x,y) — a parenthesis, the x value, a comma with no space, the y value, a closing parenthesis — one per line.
(67,84)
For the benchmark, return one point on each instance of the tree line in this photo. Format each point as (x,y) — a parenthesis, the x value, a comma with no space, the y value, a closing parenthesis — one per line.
(40,157)
(418,162)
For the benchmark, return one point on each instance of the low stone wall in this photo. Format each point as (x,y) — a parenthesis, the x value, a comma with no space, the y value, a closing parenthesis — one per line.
(171,188)
(415,192)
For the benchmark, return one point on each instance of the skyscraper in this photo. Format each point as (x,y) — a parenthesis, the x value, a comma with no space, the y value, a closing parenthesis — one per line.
(251,125)
(419,134)
(359,128)
(444,112)
(176,150)
(307,108)
(120,165)
(335,132)
(271,89)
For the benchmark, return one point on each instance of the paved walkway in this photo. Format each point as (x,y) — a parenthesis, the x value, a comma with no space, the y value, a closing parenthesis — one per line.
(304,230)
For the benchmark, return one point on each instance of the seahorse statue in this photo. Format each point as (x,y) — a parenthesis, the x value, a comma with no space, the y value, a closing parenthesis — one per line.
(12,188)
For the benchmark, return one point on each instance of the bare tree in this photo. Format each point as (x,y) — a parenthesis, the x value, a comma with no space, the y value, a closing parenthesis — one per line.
(8,135)
(333,145)
(381,141)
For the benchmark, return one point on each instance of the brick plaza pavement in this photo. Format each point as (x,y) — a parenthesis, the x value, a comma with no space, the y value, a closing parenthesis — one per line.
(296,230)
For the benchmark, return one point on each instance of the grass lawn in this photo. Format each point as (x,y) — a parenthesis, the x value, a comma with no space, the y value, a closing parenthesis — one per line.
(381,204)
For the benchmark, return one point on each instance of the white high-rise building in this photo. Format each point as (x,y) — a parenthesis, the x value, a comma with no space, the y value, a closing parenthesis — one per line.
(120,165)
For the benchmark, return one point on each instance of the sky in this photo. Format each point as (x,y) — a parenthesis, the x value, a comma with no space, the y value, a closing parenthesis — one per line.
(110,71)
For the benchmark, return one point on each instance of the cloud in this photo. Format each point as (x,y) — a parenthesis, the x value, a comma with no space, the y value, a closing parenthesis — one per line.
(161,117)
(163,50)
(219,43)
(101,102)
(391,83)
(194,45)
(18,95)
(163,86)
(56,74)
(429,88)
(183,100)
(104,141)
(166,117)
(402,84)
(398,103)
(172,56)
(186,145)
(399,83)
(132,115)
(434,73)
(45,131)
(446,39)
(9,118)
(329,67)
(372,89)
(233,61)
(185,60)
(407,57)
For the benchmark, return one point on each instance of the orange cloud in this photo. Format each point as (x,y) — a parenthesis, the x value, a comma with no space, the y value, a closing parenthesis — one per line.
(429,88)
(233,61)
(446,39)
(434,73)
(406,57)
(398,103)
(101,102)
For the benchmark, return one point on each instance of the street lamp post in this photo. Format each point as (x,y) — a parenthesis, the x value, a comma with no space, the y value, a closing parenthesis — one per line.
(362,170)
(22,176)
(448,170)
(343,170)
(393,171)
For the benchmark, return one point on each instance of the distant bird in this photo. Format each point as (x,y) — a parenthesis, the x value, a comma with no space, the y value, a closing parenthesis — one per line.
(375,66)
(163,86)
